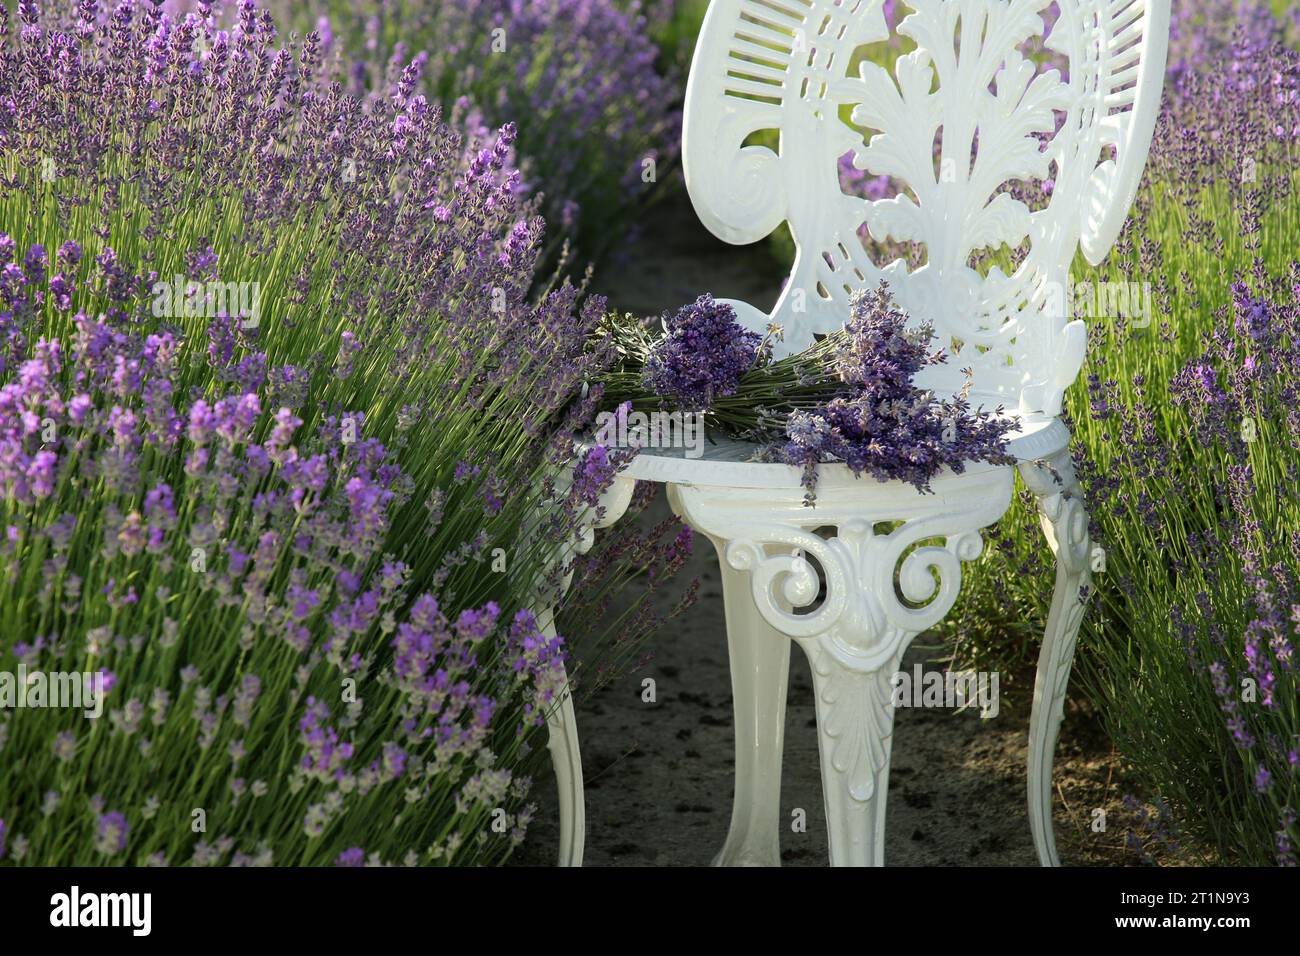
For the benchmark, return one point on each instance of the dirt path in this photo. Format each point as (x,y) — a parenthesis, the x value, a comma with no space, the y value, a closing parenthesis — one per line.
(659,776)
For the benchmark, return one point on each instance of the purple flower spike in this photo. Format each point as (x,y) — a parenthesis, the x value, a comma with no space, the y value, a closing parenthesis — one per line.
(353,856)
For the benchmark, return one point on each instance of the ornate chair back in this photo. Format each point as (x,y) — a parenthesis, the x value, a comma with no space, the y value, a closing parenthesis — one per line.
(1011,131)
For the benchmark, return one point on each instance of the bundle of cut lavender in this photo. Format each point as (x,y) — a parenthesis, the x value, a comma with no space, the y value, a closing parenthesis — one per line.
(848,398)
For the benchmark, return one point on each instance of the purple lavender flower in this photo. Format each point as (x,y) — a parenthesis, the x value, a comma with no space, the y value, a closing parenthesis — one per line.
(702,357)
(326,756)
(537,655)
(593,474)
(475,625)
(884,425)
(394,761)
(111,833)
(201,262)
(353,856)
(69,253)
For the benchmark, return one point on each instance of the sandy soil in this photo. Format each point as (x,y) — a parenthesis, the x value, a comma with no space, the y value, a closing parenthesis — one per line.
(659,776)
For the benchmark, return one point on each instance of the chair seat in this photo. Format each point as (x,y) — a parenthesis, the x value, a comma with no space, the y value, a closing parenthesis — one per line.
(729,463)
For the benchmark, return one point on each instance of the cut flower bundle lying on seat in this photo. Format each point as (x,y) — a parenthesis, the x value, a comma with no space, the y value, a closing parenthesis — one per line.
(851,397)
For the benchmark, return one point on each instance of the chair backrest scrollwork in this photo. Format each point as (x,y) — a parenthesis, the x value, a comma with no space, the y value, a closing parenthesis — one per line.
(954,124)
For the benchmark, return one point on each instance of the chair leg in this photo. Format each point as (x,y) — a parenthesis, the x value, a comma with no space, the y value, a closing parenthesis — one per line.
(562,728)
(1065,525)
(760,669)
(874,592)
(566,758)
(561,723)
(855,723)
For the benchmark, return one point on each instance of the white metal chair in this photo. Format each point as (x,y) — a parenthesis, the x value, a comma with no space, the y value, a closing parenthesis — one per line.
(954,122)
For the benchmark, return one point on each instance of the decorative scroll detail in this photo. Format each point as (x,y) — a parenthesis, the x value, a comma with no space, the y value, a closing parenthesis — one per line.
(985,88)
(855,717)
(1064,514)
(613,504)
(784,65)
(863,620)
(882,589)
(1061,509)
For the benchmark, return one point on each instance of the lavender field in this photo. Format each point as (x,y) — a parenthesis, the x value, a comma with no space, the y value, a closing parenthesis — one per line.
(313,319)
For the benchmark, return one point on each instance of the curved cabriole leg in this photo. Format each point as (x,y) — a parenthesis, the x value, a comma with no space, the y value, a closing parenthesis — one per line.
(855,724)
(567,759)
(760,669)
(561,722)
(1065,524)
(562,742)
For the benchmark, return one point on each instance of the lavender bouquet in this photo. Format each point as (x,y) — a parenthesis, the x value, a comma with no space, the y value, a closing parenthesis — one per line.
(848,398)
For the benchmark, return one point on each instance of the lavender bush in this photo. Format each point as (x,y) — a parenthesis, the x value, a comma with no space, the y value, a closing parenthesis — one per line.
(595,119)
(279,426)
